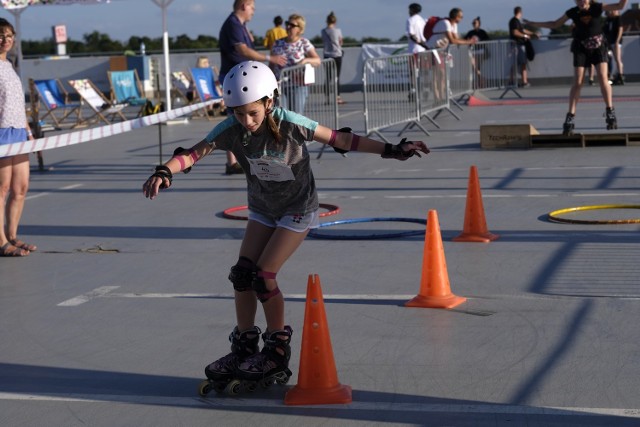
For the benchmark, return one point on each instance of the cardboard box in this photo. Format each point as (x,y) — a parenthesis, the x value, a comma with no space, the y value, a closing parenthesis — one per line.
(506,136)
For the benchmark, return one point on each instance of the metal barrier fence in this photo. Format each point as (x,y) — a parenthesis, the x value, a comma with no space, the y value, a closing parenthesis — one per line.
(311,91)
(404,89)
(390,86)
(495,66)
(435,83)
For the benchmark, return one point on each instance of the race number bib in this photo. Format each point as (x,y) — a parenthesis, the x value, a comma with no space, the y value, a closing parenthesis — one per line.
(270,170)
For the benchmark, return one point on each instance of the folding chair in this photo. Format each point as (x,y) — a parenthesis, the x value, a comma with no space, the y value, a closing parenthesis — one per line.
(102,108)
(55,98)
(127,89)
(182,87)
(204,82)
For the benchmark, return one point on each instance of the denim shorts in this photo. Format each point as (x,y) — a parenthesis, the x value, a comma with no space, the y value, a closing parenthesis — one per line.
(297,223)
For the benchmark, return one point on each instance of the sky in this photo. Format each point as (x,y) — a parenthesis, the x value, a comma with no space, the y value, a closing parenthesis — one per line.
(122,19)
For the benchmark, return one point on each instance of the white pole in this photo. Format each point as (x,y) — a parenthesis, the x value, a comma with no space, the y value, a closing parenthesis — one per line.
(163,4)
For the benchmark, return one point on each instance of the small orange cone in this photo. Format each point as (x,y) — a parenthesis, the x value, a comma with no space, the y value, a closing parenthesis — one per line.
(475,224)
(317,377)
(435,291)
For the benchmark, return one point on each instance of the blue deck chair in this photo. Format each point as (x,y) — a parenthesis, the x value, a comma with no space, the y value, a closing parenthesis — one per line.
(54,98)
(204,82)
(127,89)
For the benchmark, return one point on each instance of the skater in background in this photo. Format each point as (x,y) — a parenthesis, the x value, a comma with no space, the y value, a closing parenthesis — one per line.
(588,47)
(269,142)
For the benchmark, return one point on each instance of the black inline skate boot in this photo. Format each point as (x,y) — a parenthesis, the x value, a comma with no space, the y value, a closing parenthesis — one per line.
(569,125)
(610,117)
(619,80)
(221,372)
(269,366)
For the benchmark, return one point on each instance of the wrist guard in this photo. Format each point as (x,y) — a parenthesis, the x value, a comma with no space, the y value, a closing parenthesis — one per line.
(398,152)
(164,173)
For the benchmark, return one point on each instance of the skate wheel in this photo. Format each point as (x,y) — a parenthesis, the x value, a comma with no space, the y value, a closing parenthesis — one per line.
(282,380)
(234,387)
(251,386)
(266,383)
(204,388)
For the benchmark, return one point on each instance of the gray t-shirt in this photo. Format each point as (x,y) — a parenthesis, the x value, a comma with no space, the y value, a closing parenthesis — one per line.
(279,177)
(331,40)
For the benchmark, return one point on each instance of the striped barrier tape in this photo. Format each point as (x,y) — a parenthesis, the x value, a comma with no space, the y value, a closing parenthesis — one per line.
(92,134)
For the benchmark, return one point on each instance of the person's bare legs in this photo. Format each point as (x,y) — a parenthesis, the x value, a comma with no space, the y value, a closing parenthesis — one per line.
(605,87)
(14,179)
(574,93)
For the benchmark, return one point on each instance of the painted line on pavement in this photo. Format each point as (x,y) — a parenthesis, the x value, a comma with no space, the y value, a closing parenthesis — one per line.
(81,299)
(239,402)
(47,193)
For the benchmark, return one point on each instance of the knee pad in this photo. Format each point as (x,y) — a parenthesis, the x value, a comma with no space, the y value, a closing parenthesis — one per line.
(260,286)
(242,274)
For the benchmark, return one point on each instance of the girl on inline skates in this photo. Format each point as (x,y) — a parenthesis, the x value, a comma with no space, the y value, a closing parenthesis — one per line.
(588,48)
(269,143)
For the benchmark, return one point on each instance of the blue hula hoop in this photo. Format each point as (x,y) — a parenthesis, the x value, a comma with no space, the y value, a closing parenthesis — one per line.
(316,235)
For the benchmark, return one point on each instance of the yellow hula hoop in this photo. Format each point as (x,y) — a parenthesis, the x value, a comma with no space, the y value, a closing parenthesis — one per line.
(553,216)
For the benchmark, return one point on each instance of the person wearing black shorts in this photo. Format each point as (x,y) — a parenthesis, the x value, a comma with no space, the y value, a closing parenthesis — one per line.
(588,48)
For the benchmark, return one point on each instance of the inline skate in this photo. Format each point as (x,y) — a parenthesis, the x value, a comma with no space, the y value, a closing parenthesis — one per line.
(569,125)
(610,118)
(269,366)
(223,371)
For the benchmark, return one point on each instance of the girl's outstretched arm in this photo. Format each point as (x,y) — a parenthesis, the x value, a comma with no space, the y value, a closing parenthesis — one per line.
(182,160)
(343,141)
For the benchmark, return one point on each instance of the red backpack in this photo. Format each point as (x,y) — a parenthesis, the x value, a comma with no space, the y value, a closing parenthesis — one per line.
(428,27)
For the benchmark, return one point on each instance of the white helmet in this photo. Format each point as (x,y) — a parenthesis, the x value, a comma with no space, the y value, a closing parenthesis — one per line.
(248,82)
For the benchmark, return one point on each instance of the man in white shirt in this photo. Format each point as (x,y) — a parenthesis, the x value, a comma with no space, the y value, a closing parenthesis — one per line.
(415,29)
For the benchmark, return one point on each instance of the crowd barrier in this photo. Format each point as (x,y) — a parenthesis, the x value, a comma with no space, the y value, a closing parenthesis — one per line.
(406,88)
(312,92)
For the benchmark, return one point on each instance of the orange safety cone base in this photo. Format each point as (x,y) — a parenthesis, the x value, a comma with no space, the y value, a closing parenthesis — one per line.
(448,301)
(324,396)
(479,238)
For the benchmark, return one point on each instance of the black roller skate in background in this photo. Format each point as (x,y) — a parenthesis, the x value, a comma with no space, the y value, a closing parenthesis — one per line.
(610,118)
(569,125)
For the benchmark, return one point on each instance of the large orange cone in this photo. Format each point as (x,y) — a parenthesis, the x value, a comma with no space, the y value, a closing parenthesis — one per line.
(317,377)
(435,291)
(475,224)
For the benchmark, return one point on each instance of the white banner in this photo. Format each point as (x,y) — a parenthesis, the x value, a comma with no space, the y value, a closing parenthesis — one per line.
(19,4)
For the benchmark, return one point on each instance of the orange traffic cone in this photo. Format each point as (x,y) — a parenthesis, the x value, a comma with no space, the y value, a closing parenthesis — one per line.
(317,377)
(435,291)
(475,224)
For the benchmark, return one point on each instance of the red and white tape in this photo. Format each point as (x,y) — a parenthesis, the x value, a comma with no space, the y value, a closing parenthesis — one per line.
(95,133)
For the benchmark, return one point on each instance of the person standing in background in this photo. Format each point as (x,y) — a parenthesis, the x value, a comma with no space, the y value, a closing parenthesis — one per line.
(414,30)
(520,36)
(14,170)
(298,50)
(236,46)
(275,33)
(613,32)
(332,41)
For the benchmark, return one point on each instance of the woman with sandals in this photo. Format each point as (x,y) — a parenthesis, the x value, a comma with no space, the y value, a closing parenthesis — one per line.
(14,170)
